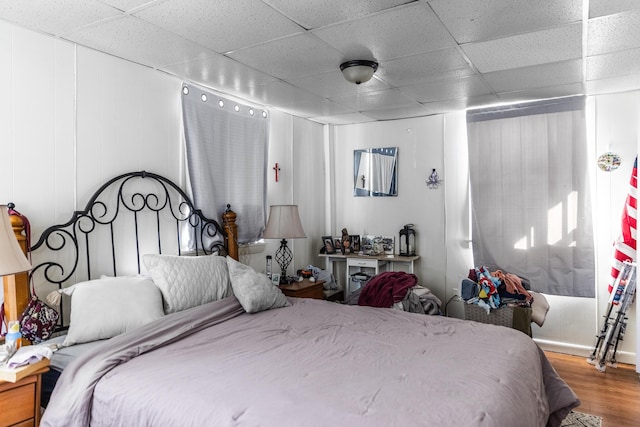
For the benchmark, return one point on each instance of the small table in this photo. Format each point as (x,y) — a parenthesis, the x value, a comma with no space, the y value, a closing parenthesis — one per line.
(366,261)
(20,400)
(304,289)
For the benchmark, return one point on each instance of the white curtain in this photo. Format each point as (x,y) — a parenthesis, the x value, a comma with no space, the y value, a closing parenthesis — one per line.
(531,206)
(227,158)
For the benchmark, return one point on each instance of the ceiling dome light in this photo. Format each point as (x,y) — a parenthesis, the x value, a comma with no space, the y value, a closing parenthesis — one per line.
(359,70)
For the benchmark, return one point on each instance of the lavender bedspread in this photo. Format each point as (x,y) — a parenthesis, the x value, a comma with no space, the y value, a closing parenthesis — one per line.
(314,364)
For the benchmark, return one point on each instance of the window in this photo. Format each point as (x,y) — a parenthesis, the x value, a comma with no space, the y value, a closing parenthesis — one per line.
(227,147)
(531,208)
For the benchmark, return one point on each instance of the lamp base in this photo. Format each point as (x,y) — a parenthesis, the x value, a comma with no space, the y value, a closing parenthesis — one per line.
(283,258)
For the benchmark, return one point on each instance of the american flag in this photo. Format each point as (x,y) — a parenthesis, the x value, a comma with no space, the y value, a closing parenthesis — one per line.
(625,246)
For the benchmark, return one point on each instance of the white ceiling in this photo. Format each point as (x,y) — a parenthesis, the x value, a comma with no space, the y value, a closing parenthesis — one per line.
(435,56)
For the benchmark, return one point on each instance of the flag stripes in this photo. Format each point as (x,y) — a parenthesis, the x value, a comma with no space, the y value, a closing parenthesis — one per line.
(625,245)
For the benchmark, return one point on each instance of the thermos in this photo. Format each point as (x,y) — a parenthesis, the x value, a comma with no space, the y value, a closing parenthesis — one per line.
(268,269)
(13,337)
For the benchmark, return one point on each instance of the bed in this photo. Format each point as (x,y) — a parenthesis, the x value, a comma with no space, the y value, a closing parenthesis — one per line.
(244,354)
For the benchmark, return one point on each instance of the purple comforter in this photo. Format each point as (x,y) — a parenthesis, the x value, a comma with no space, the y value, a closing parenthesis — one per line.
(314,364)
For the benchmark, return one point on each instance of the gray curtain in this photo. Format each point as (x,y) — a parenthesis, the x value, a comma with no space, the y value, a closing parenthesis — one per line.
(531,207)
(227,158)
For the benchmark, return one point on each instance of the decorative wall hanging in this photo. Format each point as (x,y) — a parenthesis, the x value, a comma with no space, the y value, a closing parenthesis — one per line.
(609,161)
(434,180)
(277,169)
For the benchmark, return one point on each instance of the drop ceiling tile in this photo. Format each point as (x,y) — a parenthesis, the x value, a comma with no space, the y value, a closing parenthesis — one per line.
(553,74)
(401,31)
(319,13)
(57,17)
(613,33)
(220,72)
(381,99)
(473,20)
(138,41)
(466,87)
(343,119)
(613,85)
(291,57)
(129,5)
(553,45)
(609,7)
(221,25)
(460,104)
(437,65)
(333,84)
(613,64)
(543,93)
(290,98)
(398,113)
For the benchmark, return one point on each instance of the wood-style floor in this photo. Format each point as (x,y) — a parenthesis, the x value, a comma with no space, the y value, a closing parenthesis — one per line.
(613,395)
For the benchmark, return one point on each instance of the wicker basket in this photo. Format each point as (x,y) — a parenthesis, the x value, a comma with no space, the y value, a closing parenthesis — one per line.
(502,316)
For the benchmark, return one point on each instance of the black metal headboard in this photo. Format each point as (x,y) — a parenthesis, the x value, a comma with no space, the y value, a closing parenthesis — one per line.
(130,215)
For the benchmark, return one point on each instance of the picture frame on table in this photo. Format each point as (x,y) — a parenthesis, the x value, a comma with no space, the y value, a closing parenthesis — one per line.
(355,242)
(329,246)
(337,243)
(275,279)
(377,245)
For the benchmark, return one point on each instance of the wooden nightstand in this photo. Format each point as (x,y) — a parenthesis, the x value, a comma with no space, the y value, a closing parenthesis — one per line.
(304,289)
(20,400)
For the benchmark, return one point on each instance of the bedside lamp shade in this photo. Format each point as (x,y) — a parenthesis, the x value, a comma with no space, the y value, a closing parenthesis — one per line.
(12,259)
(284,223)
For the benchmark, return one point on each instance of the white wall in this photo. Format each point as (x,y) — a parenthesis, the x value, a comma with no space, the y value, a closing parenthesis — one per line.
(420,145)
(127,118)
(72,117)
(297,145)
(442,220)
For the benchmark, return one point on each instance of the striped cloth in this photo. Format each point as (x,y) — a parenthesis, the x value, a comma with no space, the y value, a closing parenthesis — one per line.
(625,245)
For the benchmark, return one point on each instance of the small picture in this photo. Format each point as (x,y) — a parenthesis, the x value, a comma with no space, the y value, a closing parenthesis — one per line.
(347,247)
(337,243)
(275,279)
(329,247)
(377,245)
(355,243)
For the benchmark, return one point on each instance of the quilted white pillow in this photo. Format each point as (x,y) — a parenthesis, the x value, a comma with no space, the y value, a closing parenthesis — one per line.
(187,281)
(104,308)
(254,290)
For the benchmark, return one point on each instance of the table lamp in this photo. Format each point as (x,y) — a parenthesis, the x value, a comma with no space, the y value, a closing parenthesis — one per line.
(283,223)
(12,259)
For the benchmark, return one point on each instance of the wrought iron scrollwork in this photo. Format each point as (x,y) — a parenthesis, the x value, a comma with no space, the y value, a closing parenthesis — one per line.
(144,200)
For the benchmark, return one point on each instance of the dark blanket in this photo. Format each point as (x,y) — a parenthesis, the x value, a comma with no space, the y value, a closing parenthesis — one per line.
(387,288)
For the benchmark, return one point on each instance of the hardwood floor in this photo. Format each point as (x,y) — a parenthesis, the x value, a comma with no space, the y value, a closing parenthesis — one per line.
(613,395)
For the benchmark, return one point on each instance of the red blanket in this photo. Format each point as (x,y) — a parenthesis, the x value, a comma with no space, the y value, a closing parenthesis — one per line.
(387,288)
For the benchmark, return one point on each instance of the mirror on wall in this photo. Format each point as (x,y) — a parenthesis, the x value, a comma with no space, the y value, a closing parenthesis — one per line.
(375,172)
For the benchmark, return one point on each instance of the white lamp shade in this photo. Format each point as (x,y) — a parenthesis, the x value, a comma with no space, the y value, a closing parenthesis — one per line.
(283,223)
(12,259)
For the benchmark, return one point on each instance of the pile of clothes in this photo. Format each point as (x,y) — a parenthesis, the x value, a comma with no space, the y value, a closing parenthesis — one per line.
(398,290)
(491,290)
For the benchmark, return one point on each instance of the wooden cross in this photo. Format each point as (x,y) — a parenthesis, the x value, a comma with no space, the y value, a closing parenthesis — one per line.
(277,169)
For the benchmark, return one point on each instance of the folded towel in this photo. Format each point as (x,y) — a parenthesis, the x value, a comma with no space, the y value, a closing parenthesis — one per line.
(29,354)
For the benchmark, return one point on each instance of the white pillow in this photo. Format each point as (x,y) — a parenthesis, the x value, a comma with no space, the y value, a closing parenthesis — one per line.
(187,281)
(254,290)
(104,308)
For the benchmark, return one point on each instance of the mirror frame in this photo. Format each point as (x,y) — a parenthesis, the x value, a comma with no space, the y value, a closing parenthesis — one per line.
(363,190)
